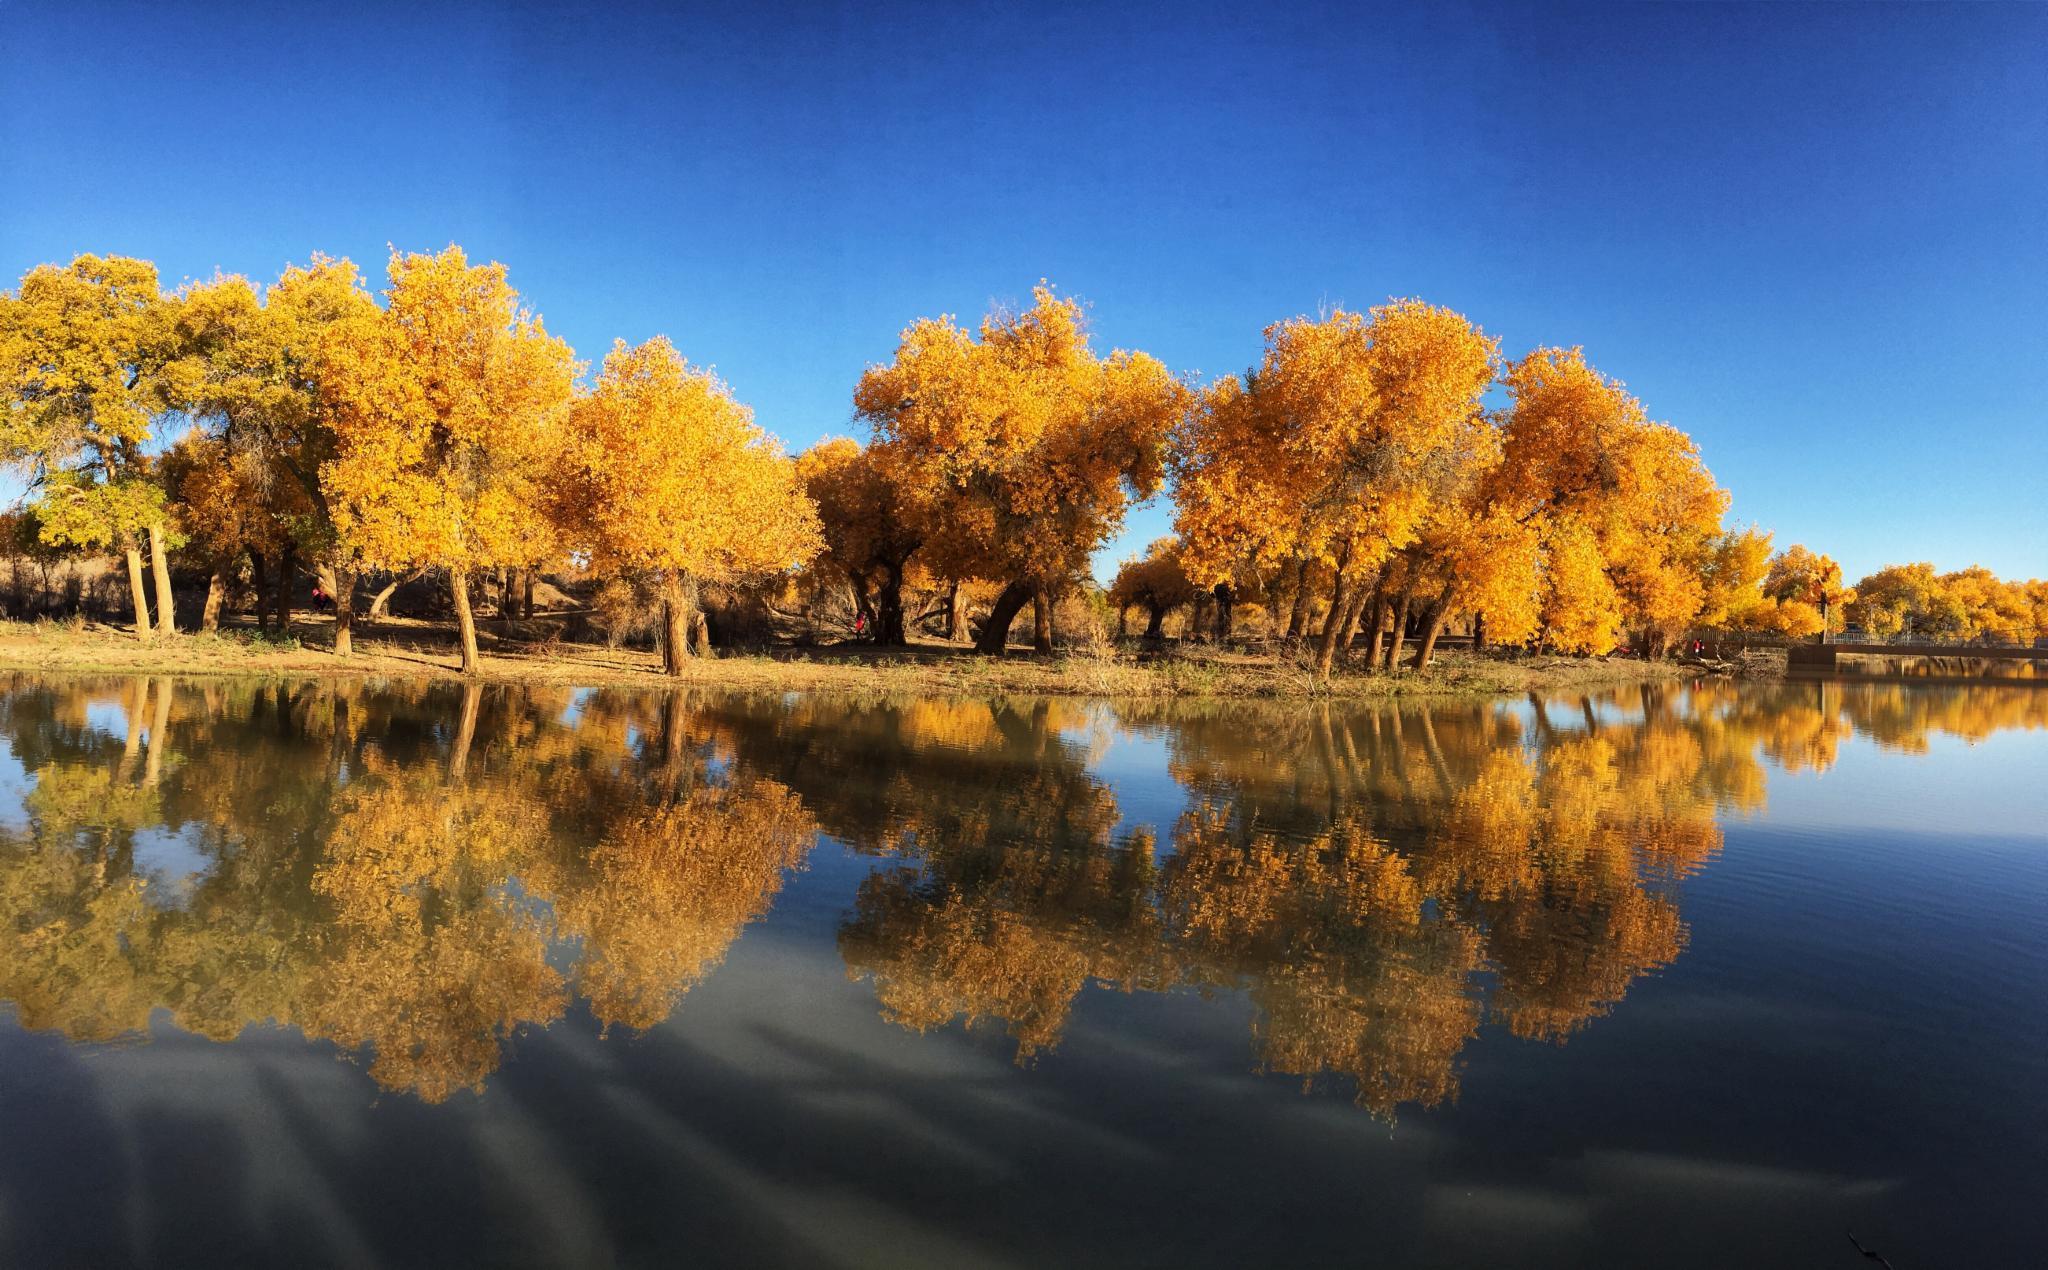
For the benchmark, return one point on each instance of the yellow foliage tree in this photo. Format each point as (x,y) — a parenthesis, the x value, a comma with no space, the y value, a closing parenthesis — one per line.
(259,378)
(1332,450)
(1155,582)
(1609,493)
(667,476)
(1026,444)
(1809,592)
(872,522)
(87,364)
(1733,580)
(448,405)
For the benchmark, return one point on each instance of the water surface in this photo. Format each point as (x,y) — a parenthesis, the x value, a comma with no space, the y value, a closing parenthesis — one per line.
(335,974)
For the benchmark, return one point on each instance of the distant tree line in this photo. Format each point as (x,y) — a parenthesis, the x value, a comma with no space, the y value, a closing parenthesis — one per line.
(1353,483)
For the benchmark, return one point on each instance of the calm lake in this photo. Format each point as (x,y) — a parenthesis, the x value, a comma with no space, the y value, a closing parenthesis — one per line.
(400,974)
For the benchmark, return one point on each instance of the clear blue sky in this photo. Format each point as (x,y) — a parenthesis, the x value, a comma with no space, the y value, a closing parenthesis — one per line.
(1815,238)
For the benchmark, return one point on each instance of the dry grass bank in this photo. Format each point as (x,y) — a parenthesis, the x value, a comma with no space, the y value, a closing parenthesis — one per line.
(400,648)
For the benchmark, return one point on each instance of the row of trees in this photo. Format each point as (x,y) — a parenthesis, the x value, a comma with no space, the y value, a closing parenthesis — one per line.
(1913,601)
(1794,594)
(1355,479)
(307,427)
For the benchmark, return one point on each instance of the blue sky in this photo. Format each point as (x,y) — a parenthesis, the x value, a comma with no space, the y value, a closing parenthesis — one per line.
(1815,238)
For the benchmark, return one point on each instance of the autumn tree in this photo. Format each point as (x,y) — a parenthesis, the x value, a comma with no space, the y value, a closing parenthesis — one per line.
(1990,608)
(1470,554)
(1966,604)
(1808,589)
(1733,580)
(227,505)
(666,474)
(872,520)
(1628,515)
(1027,444)
(260,380)
(1903,598)
(447,412)
(1331,450)
(1154,582)
(87,356)
(28,552)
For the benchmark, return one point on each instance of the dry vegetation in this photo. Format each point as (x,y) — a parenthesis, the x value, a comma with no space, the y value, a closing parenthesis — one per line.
(526,653)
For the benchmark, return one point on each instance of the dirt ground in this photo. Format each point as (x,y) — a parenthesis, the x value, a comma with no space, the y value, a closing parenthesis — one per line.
(531,652)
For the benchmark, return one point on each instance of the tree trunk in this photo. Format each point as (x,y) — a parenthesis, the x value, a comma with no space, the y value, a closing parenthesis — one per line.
(526,596)
(1400,630)
(341,584)
(1123,621)
(1367,602)
(1297,620)
(283,596)
(1479,632)
(889,608)
(143,629)
(1226,596)
(1333,626)
(956,616)
(995,634)
(166,608)
(216,592)
(1351,616)
(1155,623)
(700,629)
(1376,639)
(678,620)
(465,620)
(1041,620)
(380,604)
(259,577)
(1433,628)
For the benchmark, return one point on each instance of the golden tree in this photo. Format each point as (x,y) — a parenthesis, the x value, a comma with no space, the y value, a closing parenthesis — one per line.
(1027,445)
(666,475)
(872,521)
(87,356)
(258,377)
(1332,450)
(1469,555)
(227,505)
(1809,592)
(1733,578)
(1990,608)
(1155,582)
(447,413)
(1628,515)
(1904,598)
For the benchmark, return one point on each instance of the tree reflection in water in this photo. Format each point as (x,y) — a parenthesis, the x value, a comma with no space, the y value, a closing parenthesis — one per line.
(386,870)
(415,873)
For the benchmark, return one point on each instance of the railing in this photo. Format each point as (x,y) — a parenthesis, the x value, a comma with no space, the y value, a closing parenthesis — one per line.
(1909,639)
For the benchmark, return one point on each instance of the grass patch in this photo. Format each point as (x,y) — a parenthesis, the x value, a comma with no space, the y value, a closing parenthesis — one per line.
(403,648)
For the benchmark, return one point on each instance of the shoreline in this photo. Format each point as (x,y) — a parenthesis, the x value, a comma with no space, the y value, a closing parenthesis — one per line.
(401,649)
